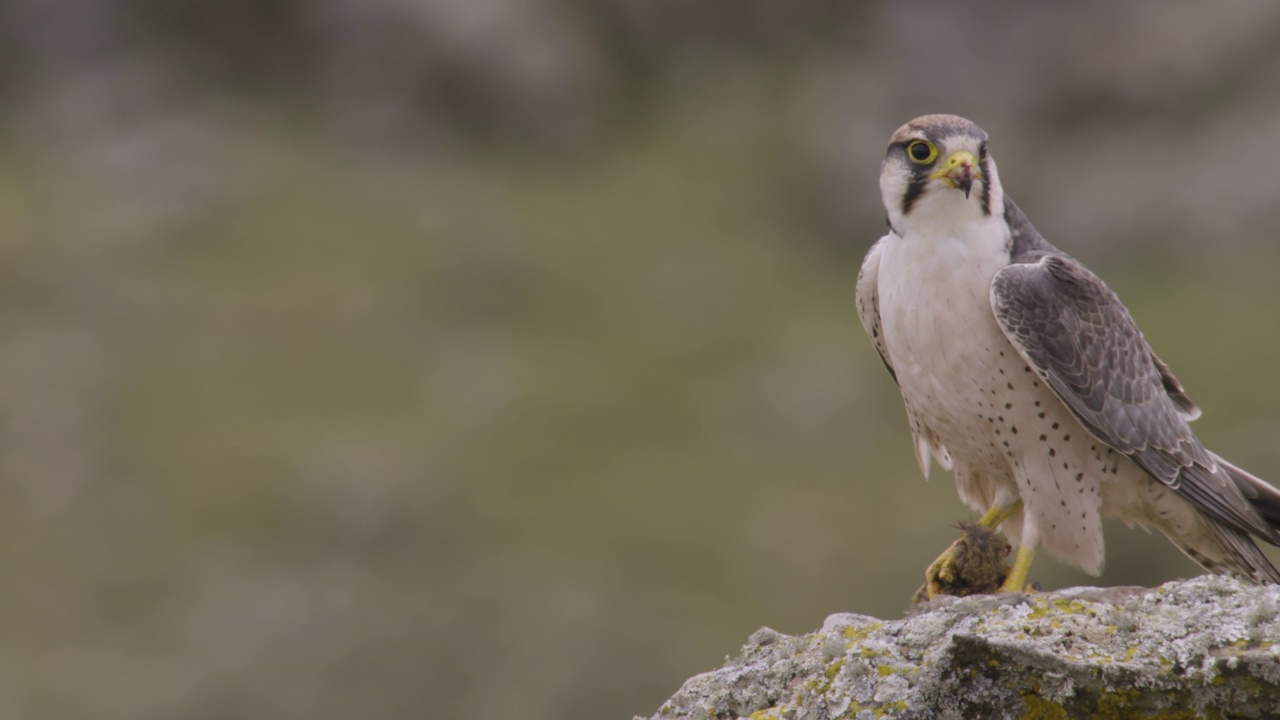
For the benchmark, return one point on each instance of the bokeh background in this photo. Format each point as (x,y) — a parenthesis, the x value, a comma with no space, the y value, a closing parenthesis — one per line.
(498,359)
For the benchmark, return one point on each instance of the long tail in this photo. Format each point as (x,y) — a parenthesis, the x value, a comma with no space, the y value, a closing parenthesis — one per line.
(1241,554)
(1264,498)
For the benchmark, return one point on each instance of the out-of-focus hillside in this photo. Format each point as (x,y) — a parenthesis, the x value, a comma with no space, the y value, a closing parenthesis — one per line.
(498,359)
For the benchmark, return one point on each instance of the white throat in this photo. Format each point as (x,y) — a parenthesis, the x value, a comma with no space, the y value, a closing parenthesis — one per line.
(946,244)
(940,212)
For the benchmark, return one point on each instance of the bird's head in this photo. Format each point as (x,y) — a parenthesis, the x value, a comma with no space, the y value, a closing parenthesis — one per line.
(937,169)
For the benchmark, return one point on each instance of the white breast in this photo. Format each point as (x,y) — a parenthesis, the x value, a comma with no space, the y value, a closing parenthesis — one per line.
(939,332)
(965,385)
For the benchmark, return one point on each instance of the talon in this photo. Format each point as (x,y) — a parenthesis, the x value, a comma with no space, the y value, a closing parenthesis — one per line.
(943,566)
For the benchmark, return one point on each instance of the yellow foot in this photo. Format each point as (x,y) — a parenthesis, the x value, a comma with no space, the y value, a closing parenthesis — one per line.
(975,563)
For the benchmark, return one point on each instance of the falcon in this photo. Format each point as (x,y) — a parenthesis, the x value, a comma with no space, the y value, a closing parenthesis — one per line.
(1023,373)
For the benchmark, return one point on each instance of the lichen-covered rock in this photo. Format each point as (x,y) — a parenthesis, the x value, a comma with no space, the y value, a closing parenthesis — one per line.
(1208,647)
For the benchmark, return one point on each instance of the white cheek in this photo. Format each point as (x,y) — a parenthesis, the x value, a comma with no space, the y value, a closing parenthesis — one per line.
(894,180)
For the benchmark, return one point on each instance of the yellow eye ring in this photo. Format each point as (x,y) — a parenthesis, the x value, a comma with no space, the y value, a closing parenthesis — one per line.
(922,152)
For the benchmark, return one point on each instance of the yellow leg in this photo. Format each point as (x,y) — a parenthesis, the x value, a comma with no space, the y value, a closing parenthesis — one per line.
(1017,577)
(997,515)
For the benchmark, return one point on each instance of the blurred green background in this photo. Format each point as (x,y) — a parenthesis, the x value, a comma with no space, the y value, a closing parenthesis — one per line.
(498,359)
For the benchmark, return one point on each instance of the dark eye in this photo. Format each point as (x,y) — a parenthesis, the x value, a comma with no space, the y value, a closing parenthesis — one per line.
(982,152)
(922,152)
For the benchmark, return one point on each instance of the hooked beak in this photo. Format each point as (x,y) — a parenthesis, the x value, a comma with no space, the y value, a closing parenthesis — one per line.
(959,170)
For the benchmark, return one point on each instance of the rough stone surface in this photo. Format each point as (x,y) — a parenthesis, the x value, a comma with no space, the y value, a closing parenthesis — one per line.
(1207,647)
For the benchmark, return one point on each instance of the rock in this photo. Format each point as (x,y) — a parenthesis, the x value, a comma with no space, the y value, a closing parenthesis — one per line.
(1207,647)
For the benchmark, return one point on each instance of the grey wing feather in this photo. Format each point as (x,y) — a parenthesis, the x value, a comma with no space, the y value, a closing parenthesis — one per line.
(1189,410)
(1080,338)
(869,302)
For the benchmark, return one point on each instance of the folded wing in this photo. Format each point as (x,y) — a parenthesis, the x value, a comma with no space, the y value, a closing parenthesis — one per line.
(1076,333)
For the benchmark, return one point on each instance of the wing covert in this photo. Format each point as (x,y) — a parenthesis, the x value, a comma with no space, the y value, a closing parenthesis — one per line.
(1081,340)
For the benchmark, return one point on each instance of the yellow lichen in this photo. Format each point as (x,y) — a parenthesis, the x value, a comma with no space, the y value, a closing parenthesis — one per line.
(877,710)
(1035,707)
(830,672)
(1116,705)
(1119,705)
(1043,608)
(858,634)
